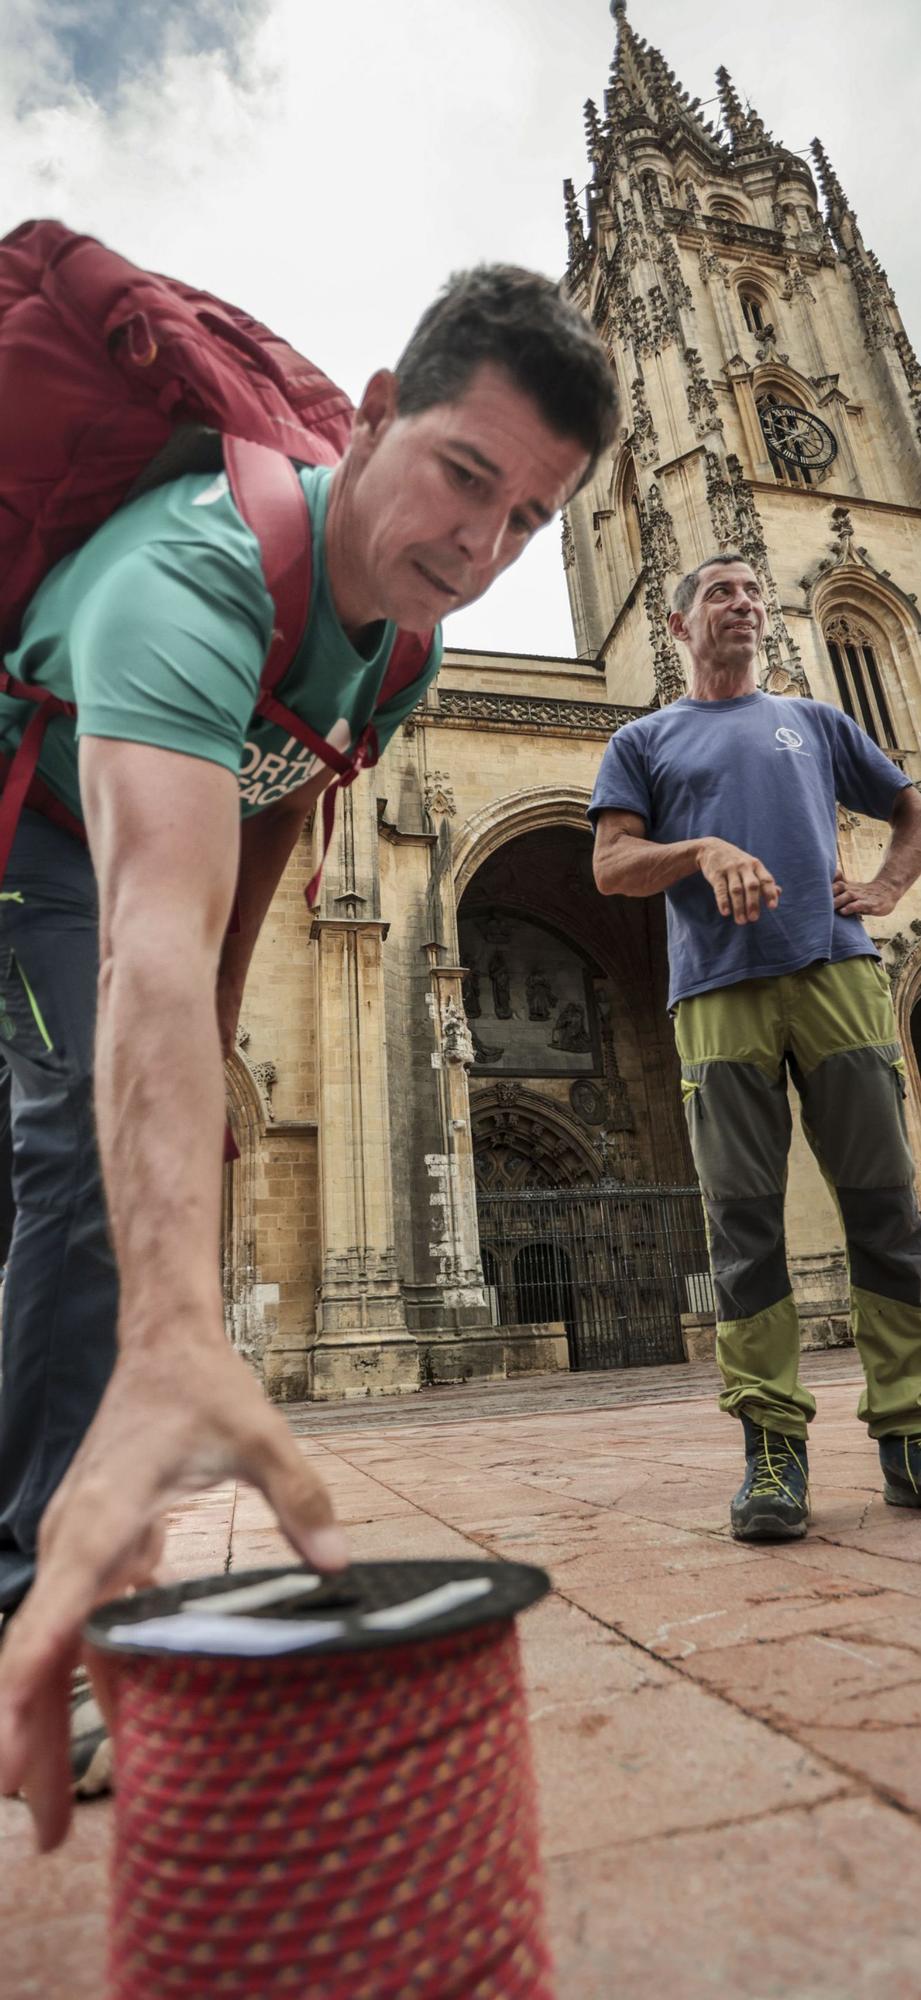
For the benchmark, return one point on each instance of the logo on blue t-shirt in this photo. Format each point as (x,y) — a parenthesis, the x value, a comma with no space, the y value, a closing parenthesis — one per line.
(789,740)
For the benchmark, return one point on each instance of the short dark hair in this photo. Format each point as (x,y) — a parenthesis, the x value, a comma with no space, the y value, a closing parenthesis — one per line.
(520,321)
(684,592)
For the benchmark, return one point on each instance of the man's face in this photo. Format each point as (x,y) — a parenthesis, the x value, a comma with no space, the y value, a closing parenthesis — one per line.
(725,624)
(445,500)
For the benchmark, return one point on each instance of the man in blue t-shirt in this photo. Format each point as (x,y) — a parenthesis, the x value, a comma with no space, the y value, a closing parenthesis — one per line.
(494,416)
(726,800)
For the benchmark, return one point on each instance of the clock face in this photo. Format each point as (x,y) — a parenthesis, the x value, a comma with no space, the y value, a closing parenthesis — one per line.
(796,436)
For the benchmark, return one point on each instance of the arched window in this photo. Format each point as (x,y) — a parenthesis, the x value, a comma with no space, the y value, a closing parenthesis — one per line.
(784,469)
(729,210)
(631,516)
(855,662)
(753,309)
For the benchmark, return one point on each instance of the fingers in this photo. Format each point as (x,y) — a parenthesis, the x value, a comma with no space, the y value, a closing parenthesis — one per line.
(35,1668)
(852,899)
(300,1500)
(48,1782)
(741,889)
(37,1660)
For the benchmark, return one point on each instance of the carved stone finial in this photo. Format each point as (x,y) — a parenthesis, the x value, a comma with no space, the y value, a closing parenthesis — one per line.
(730,105)
(575,229)
(594,136)
(568,542)
(828,179)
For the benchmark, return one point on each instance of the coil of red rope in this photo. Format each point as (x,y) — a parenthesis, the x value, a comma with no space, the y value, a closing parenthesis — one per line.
(350,1819)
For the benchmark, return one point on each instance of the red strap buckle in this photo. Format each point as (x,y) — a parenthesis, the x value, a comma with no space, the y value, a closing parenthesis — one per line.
(21,772)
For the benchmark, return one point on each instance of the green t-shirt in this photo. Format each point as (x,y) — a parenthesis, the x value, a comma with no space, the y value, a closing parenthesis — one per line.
(157,628)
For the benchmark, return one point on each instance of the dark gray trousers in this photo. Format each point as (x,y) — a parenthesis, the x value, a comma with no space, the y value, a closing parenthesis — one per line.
(60,1300)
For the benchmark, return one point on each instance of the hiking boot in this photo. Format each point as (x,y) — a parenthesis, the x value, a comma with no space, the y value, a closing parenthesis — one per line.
(900,1458)
(772,1503)
(90,1742)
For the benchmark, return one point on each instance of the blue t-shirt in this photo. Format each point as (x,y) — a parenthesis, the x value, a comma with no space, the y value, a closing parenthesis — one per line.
(763,771)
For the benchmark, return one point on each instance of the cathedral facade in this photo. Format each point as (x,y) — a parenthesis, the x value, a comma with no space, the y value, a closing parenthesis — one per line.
(455,1093)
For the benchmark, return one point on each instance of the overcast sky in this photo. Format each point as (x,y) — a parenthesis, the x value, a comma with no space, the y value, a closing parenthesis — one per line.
(327,165)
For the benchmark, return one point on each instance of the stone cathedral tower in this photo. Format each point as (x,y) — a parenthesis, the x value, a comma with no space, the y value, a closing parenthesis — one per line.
(773,406)
(455,1092)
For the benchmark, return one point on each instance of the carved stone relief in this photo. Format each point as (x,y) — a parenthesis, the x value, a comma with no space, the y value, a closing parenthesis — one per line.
(702,404)
(644,430)
(660,554)
(878,330)
(266,1076)
(796,284)
(580,718)
(456,1039)
(898,949)
(711,266)
(438,797)
(531,1006)
(678,290)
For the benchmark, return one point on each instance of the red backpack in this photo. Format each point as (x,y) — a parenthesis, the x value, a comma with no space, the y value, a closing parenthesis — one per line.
(100,364)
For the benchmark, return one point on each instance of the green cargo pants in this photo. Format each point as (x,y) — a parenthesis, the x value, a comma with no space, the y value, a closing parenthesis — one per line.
(832,1027)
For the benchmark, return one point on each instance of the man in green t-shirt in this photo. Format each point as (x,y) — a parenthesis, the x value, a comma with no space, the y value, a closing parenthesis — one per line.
(157,630)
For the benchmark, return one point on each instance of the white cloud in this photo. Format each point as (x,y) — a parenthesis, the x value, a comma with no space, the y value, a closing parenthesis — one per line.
(327,166)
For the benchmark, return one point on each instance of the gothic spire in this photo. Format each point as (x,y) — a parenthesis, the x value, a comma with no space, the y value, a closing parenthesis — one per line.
(747,133)
(642,83)
(841,218)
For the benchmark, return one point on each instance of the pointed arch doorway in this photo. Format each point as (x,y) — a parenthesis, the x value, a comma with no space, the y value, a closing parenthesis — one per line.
(618,1266)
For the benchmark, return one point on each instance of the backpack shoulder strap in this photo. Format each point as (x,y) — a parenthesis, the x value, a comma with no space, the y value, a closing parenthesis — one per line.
(408,660)
(270,497)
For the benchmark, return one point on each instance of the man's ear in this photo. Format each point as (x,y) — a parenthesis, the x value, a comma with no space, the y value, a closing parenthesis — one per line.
(677,626)
(377,409)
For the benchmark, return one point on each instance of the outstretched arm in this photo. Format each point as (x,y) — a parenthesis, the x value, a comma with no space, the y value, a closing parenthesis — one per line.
(901,865)
(182,1409)
(627,864)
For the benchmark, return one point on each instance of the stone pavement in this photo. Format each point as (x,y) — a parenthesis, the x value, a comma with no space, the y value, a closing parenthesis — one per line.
(728,1740)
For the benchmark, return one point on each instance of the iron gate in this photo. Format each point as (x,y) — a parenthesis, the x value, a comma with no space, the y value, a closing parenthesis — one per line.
(617,1265)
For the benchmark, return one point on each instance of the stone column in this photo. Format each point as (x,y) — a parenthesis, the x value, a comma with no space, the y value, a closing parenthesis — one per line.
(362,1344)
(455,1235)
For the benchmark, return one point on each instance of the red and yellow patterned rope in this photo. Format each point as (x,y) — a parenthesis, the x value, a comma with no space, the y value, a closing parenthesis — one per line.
(358,1826)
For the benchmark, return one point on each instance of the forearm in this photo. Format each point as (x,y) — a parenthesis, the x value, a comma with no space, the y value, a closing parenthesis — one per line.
(160,1114)
(634,867)
(901,863)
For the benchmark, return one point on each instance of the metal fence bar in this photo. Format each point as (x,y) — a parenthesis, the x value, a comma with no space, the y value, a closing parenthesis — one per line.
(618,1265)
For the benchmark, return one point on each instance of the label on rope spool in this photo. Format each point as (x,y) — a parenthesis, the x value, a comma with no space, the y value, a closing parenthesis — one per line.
(265,1612)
